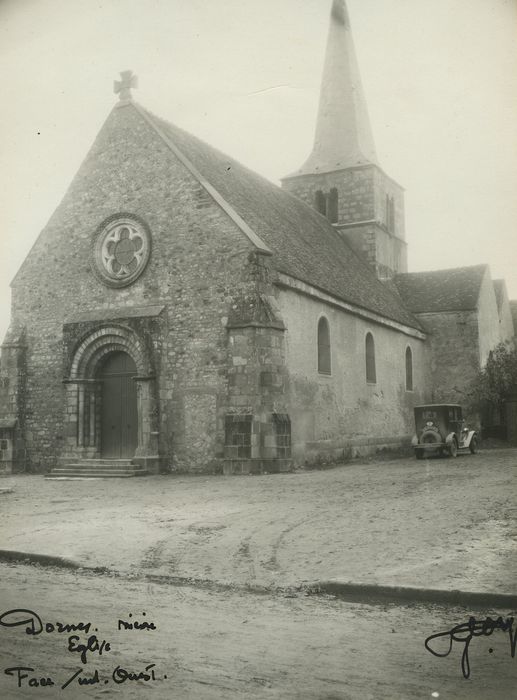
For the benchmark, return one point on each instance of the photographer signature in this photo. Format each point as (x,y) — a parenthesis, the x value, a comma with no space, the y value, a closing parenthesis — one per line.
(465,632)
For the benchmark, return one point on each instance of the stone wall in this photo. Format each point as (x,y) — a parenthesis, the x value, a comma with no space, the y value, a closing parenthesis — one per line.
(383,187)
(362,197)
(199,267)
(257,381)
(340,412)
(489,327)
(506,327)
(13,393)
(386,254)
(454,354)
(356,191)
(13,382)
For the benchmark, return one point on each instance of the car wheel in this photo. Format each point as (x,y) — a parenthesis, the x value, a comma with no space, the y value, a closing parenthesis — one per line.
(419,454)
(473,447)
(453,448)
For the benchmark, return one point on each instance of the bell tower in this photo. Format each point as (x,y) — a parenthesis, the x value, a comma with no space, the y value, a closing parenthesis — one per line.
(342,178)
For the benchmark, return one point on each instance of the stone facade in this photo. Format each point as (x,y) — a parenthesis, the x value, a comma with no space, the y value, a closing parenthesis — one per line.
(461,340)
(454,353)
(257,427)
(504,312)
(491,331)
(87,343)
(224,343)
(172,320)
(13,397)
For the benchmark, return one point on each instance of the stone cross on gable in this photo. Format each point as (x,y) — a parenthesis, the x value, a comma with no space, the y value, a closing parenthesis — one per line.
(122,87)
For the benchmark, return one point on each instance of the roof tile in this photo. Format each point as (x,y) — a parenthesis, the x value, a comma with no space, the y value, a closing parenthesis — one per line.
(456,289)
(304,244)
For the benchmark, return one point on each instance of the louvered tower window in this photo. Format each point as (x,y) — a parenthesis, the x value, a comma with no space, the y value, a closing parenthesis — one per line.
(333,208)
(321,203)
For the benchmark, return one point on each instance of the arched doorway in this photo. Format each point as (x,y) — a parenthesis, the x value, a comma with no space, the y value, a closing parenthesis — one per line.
(119,415)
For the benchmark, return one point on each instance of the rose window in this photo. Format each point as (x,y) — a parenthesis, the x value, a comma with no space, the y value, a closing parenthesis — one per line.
(121,251)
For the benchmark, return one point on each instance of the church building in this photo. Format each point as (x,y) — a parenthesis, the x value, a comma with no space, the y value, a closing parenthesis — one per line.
(181,313)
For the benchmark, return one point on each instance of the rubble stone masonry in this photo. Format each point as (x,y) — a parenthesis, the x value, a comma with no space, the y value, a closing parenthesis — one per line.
(198,269)
(364,193)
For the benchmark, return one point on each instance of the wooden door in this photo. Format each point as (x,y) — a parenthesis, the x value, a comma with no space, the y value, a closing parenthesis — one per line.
(119,428)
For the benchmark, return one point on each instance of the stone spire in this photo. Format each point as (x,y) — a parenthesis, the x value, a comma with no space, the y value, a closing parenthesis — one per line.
(343,134)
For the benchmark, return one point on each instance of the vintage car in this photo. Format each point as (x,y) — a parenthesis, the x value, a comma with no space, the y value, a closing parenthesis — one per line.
(440,429)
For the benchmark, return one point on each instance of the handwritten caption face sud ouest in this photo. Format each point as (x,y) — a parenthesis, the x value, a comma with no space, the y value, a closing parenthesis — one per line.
(81,640)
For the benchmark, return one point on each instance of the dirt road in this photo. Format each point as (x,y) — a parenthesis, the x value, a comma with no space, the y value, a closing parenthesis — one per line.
(438,523)
(233,645)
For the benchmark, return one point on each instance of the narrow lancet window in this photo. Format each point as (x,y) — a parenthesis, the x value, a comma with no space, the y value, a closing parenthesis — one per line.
(371,374)
(390,214)
(323,346)
(409,369)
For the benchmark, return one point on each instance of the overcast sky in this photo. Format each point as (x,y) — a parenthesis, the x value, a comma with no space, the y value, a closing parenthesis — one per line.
(440,78)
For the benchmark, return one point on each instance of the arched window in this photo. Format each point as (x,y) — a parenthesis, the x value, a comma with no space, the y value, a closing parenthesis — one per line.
(333,213)
(371,375)
(323,346)
(321,203)
(409,369)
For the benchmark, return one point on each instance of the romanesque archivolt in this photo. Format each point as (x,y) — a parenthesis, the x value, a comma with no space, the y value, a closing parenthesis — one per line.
(121,249)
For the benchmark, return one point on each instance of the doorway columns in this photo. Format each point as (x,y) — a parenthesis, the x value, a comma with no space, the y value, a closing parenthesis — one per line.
(82,417)
(147,408)
(83,393)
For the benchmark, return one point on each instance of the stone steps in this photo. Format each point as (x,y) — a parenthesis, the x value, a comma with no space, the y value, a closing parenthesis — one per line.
(94,467)
(97,469)
(104,462)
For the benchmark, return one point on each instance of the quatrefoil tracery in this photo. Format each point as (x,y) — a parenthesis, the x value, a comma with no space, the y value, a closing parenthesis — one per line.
(122,251)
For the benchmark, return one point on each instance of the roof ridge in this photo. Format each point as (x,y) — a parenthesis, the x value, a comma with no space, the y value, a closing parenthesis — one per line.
(204,143)
(453,289)
(277,214)
(445,270)
(212,191)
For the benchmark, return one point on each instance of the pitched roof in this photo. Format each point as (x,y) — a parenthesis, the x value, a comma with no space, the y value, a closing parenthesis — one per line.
(456,289)
(304,244)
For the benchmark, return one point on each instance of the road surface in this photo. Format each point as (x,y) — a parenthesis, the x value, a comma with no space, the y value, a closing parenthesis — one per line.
(227,645)
(437,523)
